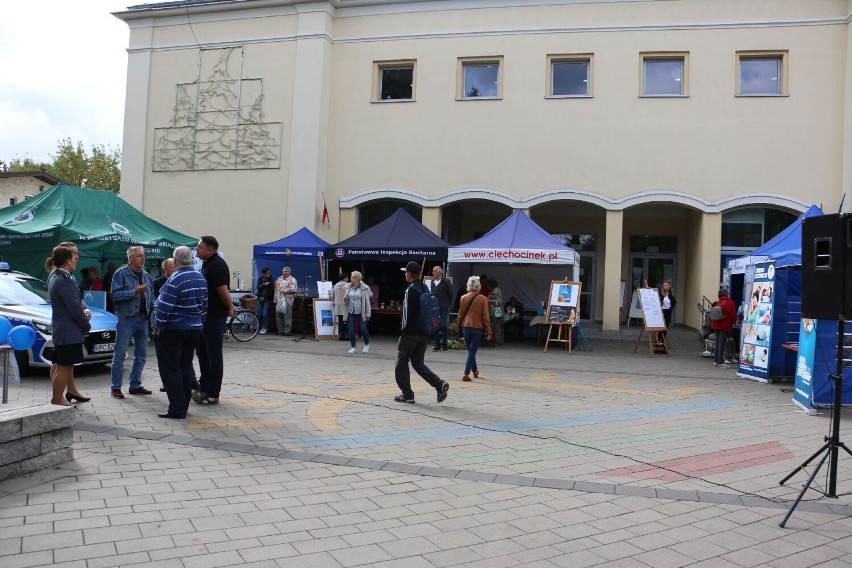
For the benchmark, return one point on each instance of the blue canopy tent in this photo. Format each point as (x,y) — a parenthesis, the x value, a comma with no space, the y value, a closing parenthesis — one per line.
(302,251)
(517,242)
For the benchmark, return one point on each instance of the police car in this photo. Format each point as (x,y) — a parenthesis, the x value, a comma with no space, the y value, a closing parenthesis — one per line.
(24,301)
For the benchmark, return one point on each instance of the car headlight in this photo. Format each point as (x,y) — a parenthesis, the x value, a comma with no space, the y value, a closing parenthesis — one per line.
(44,328)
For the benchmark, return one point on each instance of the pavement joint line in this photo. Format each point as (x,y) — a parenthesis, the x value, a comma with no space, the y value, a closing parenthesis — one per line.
(662,493)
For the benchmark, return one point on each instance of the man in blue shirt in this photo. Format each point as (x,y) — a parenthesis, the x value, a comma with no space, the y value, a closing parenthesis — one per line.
(132,298)
(178,321)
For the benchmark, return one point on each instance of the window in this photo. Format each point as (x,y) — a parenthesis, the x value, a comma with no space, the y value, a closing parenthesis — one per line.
(761,73)
(480,78)
(27,197)
(569,75)
(393,81)
(41,189)
(12,201)
(664,75)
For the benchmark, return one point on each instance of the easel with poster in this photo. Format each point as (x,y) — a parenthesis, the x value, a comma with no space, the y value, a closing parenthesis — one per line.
(562,311)
(653,322)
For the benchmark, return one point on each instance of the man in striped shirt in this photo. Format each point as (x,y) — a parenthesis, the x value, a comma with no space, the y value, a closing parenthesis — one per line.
(178,319)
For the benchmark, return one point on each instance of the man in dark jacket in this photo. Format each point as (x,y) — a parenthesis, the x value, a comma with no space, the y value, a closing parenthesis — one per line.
(724,326)
(413,341)
(443,290)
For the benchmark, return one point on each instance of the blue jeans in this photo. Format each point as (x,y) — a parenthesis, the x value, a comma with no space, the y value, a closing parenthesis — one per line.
(472,338)
(210,360)
(357,321)
(442,333)
(262,311)
(127,327)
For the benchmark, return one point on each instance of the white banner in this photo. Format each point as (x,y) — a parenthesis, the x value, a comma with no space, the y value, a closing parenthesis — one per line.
(506,255)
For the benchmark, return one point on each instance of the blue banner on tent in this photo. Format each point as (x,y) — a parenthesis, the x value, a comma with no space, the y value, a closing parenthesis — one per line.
(757,325)
(803,385)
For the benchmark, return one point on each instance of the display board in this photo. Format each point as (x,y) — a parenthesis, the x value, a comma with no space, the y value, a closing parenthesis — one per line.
(563,298)
(325,289)
(323,319)
(756,333)
(652,311)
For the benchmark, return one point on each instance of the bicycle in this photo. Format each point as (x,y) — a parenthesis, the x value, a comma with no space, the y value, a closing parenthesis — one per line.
(244,326)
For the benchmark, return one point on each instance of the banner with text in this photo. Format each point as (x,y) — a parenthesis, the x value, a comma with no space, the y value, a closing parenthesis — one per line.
(803,385)
(757,325)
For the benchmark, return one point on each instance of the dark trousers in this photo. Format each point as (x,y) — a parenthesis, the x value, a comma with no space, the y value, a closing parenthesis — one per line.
(721,342)
(175,351)
(210,356)
(356,323)
(413,348)
(442,333)
(472,338)
(342,328)
(667,317)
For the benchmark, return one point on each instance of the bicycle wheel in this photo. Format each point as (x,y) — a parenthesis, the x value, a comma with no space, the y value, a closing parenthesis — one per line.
(245,326)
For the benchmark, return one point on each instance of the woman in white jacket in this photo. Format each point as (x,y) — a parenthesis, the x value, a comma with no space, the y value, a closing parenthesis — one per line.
(357,298)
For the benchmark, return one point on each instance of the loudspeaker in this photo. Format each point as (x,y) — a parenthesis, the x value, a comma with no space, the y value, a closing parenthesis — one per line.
(827,267)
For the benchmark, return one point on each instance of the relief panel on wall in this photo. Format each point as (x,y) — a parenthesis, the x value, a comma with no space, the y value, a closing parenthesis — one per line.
(218,121)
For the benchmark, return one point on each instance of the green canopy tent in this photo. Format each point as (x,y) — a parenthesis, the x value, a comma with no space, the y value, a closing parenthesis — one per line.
(99,222)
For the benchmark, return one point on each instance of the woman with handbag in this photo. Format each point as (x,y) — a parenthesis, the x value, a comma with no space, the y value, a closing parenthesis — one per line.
(358,310)
(475,323)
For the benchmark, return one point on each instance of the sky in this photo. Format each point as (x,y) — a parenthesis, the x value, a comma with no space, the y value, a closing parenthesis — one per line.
(64,65)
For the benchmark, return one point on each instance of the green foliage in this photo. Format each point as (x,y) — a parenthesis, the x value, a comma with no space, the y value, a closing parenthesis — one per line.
(72,164)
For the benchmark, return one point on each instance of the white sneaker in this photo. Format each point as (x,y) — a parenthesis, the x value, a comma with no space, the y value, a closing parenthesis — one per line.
(352,350)
(366,349)
(263,332)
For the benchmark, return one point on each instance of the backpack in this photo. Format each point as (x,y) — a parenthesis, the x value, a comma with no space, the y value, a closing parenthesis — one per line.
(429,318)
(716,313)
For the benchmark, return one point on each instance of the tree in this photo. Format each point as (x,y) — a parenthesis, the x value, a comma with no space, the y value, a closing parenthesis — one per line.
(72,164)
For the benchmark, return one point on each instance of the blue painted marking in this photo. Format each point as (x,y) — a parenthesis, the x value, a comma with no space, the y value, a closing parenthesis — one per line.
(367,440)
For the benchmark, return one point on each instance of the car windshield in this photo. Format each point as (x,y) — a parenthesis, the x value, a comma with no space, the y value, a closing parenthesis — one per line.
(22,291)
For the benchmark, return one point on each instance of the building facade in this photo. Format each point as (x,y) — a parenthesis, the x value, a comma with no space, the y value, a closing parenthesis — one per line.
(652,135)
(15,187)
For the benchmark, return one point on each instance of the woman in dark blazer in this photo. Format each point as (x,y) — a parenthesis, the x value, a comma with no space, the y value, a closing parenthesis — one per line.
(70,321)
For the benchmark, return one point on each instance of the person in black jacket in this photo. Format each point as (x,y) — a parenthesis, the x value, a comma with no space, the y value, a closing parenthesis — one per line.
(442,289)
(667,303)
(413,342)
(265,290)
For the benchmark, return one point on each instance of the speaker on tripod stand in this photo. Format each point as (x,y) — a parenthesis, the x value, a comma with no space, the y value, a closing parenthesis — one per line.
(826,278)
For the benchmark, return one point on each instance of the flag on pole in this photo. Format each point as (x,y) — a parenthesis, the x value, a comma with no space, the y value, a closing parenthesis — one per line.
(324,211)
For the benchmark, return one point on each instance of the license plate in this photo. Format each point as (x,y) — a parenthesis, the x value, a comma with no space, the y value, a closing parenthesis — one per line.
(103,347)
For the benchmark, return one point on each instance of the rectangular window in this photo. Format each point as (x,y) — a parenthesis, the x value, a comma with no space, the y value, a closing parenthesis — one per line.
(569,75)
(12,201)
(762,74)
(393,81)
(480,78)
(664,75)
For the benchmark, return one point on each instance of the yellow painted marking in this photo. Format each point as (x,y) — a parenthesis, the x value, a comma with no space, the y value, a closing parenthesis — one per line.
(543,376)
(616,382)
(339,380)
(252,403)
(245,423)
(690,390)
(289,388)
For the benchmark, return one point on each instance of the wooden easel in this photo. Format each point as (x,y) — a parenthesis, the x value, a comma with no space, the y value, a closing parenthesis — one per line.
(562,312)
(652,321)
(560,327)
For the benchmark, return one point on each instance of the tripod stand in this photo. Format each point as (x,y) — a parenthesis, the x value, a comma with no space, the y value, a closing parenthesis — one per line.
(305,314)
(830,449)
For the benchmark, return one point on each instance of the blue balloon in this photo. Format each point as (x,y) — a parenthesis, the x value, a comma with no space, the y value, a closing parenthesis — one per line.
(22,337)
(5,328)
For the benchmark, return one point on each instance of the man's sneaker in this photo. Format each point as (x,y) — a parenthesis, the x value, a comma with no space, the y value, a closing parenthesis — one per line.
(140,390)
(351,351)
(443,348)
(466,378)
(116,393)
(442,392)
(366,349)
(163,389)
(263,332)
(213,400)
(435,349)
(476,374)
(401,398)
(724,366)
(199,397)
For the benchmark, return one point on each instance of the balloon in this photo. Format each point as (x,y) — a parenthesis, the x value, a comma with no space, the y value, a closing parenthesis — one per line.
(22,337)
(5,327)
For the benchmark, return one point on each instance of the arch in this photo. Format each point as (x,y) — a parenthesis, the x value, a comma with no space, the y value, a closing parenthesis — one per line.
(607,203)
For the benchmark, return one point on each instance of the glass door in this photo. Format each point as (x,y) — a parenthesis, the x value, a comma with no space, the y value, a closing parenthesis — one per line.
(587,279)
(653,268)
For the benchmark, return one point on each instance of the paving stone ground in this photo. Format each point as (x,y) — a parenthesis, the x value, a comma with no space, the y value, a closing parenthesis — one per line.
(601,458)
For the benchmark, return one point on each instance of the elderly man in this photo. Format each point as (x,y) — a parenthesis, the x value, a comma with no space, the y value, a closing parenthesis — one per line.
(442,289)
(167,268)
(178,321)
(132,298)
(286,288)
(219,307)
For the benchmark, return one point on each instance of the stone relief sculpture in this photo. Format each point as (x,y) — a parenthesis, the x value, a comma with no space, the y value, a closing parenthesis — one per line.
(218,121)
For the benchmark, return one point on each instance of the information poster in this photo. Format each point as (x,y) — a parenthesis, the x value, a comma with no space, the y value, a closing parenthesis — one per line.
(564,297)
(757,325)
(803,387)
(325,289)
(652,311)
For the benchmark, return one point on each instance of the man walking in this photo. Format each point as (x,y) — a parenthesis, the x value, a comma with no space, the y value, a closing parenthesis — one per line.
(443,291)
(132,298)
(413,341)
(178,320)
(219,307)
